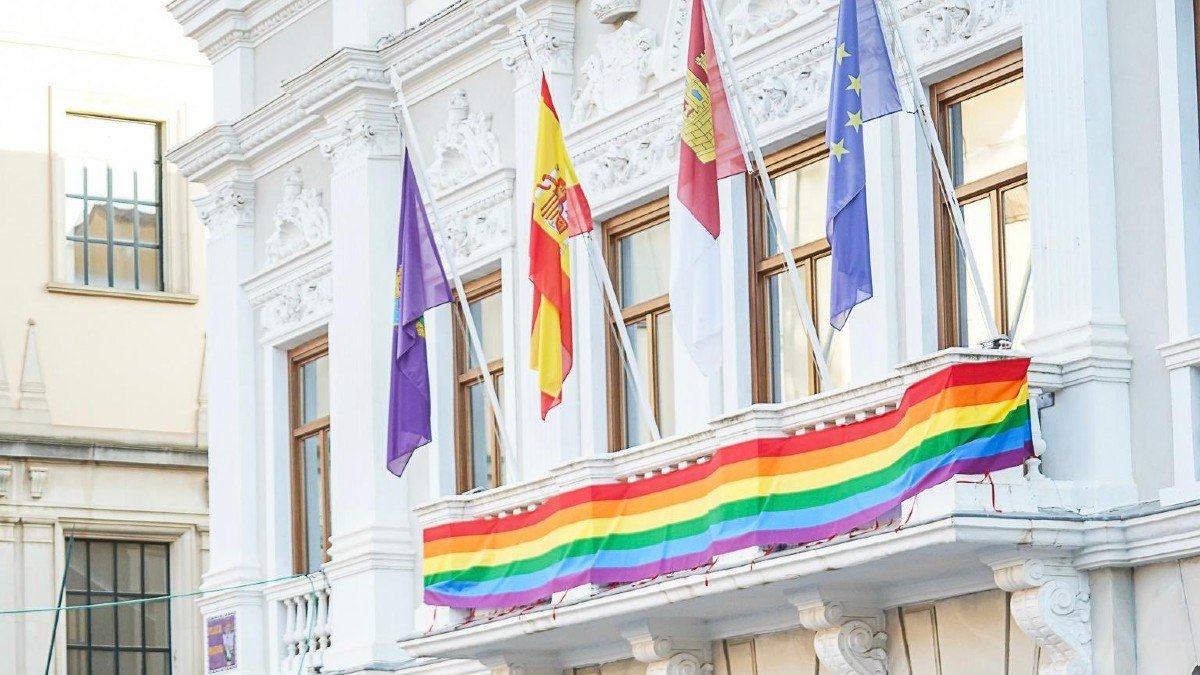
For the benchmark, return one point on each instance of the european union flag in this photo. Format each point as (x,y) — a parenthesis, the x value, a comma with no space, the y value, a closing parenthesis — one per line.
(863,88)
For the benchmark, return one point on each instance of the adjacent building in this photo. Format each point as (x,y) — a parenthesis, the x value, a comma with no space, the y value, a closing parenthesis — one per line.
(1071,132)
(103,443)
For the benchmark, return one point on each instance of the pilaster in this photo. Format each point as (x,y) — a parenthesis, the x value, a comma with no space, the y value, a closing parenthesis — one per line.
(228,212)
(233,80)
(1052,604)
(371,545)
(849,639)
(1074,243)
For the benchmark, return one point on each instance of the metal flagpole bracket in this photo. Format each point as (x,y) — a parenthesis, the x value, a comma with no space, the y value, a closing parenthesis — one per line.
(404,118)
(595,260)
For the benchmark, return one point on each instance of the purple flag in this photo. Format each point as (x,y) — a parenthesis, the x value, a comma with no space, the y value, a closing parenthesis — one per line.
(420,285)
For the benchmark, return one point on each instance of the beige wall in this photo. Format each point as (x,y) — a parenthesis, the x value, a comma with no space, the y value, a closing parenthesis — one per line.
(115,369)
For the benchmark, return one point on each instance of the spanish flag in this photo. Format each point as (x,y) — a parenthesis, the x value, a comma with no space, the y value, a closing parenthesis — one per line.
(559,211)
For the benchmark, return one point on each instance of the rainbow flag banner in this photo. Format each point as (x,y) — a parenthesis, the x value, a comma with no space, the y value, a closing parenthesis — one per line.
(965,419)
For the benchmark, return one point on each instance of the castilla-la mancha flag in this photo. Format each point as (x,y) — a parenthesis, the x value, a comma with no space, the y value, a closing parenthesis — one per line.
(560,210)
(709,150)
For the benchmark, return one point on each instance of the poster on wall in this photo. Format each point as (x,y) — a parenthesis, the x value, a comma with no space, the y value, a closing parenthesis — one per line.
(222,643)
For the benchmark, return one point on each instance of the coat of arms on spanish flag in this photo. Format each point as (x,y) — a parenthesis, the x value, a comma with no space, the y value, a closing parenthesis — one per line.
(560,210)
(709,150)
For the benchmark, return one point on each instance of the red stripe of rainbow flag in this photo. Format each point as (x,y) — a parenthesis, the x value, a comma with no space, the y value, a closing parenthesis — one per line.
(967,418)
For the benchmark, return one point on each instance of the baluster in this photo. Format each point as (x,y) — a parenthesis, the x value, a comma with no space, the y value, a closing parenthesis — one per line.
(289,628)
(1033,465)
(323,617)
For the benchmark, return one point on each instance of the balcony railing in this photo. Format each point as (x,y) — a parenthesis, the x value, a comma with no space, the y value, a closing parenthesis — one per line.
(300,609)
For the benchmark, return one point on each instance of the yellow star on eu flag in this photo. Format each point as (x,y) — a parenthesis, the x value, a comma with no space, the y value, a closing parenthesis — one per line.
(855,119)
(838,149)
(855,85)
(841,52)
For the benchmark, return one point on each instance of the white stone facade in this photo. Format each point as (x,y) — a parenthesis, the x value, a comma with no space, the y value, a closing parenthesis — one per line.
(1065,567)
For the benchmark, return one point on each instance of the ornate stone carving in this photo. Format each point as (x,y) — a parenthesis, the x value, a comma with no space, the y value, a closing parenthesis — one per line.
(646,150)
(752,18)
(465,148)
(297,301)
(552,41)
(226,207)
(1052,603)
(664,655)
(614,11)
(6,472)
(938,24)
(37,481)
(848,640)
(300,220)
(617,74)
(779,92)
(684,663)
(359,136)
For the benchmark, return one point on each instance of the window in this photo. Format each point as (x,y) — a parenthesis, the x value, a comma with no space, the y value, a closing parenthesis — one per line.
(783,364)
(133,639)
(113,209)
(640,257)
(309,385)
(479,463)
(981,120)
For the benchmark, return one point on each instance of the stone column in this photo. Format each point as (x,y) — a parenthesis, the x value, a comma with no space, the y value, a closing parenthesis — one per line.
(1181,211)
(371,546)
(228,211)
(1074,244)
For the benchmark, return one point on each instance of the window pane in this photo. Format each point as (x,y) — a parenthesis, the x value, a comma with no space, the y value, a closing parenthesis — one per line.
(314,513)
(149,278)
(989,135)
(95,178)
(73,175)
(801,194)
(76,620)
(664,356)
(487,312)
(147,183)
(77,574)
(789,352)
(103,620)
(147,224)
(157,634)
(129,624)
(123,222)
(97,265)
(836,343)
(123,181)
(644,258)
(978,218)
(101,553)
(635,426)
(1015,205)
(77,662)
(156,568)
(97,224)
(478,435)
(73,217)
(131,663)
(156,664)
(123,272)
(104,662)
(314,389)
(129,568)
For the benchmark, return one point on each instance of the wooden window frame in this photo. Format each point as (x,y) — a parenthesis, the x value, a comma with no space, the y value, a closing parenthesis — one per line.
(464,379)
(762,267)
(986,77)
(629,223)
(298,357)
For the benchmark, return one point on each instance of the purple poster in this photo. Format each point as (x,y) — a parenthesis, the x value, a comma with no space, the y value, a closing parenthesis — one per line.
(222,643)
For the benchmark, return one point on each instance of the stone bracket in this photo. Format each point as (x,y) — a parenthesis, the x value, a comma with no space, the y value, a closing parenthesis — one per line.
(664,654)
(849,639)
(1052,603)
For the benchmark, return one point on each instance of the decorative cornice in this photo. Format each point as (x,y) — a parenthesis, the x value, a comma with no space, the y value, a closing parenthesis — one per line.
(218,32)
(293,294)
(479,219)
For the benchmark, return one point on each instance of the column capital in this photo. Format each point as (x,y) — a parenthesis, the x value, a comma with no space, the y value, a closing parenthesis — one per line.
(550,30)
(1052,604)
(227,206)
(369,132)
(849,638)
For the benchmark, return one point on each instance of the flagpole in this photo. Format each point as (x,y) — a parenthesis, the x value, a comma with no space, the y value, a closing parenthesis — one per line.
(593,253)
(509,459)
(742,119)
(998,340)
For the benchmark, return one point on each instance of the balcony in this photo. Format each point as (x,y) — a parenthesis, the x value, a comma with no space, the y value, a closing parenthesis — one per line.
(299,615)
(936,542)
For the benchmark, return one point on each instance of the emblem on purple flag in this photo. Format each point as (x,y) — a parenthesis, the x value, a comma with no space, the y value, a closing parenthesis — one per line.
(420,285)
(863,88)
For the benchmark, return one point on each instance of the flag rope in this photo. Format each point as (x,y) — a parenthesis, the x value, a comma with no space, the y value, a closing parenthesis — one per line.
(404,119)
(592,253)
(747,135)
(998,340)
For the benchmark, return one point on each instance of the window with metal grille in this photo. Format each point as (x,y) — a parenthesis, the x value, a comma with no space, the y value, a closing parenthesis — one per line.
(113,211)
(123,639)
